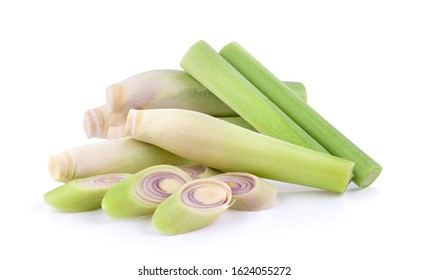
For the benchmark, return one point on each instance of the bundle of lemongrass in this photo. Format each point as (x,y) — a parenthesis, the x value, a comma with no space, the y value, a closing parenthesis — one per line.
(184,146)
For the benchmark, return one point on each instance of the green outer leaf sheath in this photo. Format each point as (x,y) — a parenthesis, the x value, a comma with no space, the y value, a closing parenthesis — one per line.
(230,148)
(366,169)
(219,77)
(140,194)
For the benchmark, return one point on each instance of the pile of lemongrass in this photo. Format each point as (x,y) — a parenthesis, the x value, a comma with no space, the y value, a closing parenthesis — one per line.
(185,146)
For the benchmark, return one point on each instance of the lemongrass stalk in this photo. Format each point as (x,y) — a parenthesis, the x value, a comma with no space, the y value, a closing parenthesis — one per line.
(230,148)
(250,193)
(140,194)
(119,131)
(366,169)
(158,89)
(193,206)
(171,89)
(217,75)
(164,88)
(197,171)
(124,155)
(83,194)
(96,122)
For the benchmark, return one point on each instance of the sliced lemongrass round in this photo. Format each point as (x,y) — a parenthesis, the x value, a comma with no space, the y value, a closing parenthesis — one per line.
(250,193)
(83,194)
(199,171)
(141,193)
(193,206)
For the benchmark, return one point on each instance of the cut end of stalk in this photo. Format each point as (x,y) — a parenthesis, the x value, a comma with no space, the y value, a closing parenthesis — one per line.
(81,195)
(61,167)
(140,194)
(131,122)
(370,178)
(206,195)
(114,95)
(170,185)
(195,205)
(92,123)
(104,181)
(210,195)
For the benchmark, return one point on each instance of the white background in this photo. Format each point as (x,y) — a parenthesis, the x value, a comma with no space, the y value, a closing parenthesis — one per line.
(364,64)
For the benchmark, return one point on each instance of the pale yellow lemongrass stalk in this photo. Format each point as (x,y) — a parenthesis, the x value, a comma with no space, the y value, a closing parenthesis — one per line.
(124,155)
(230,148)
(119,131)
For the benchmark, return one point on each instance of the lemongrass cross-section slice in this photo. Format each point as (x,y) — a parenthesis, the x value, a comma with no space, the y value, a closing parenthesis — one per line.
(83,194)
(250,193)
(193,206)
(140,194)
(199,171)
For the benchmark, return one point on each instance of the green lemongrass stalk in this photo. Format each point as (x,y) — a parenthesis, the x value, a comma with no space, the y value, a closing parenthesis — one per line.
(140,194)
(124,155)
(230,148)
(171,89)
(97,122)
(218,76)
(199,171)
(83,194)
(366,169)
(193,206)
(250,193)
